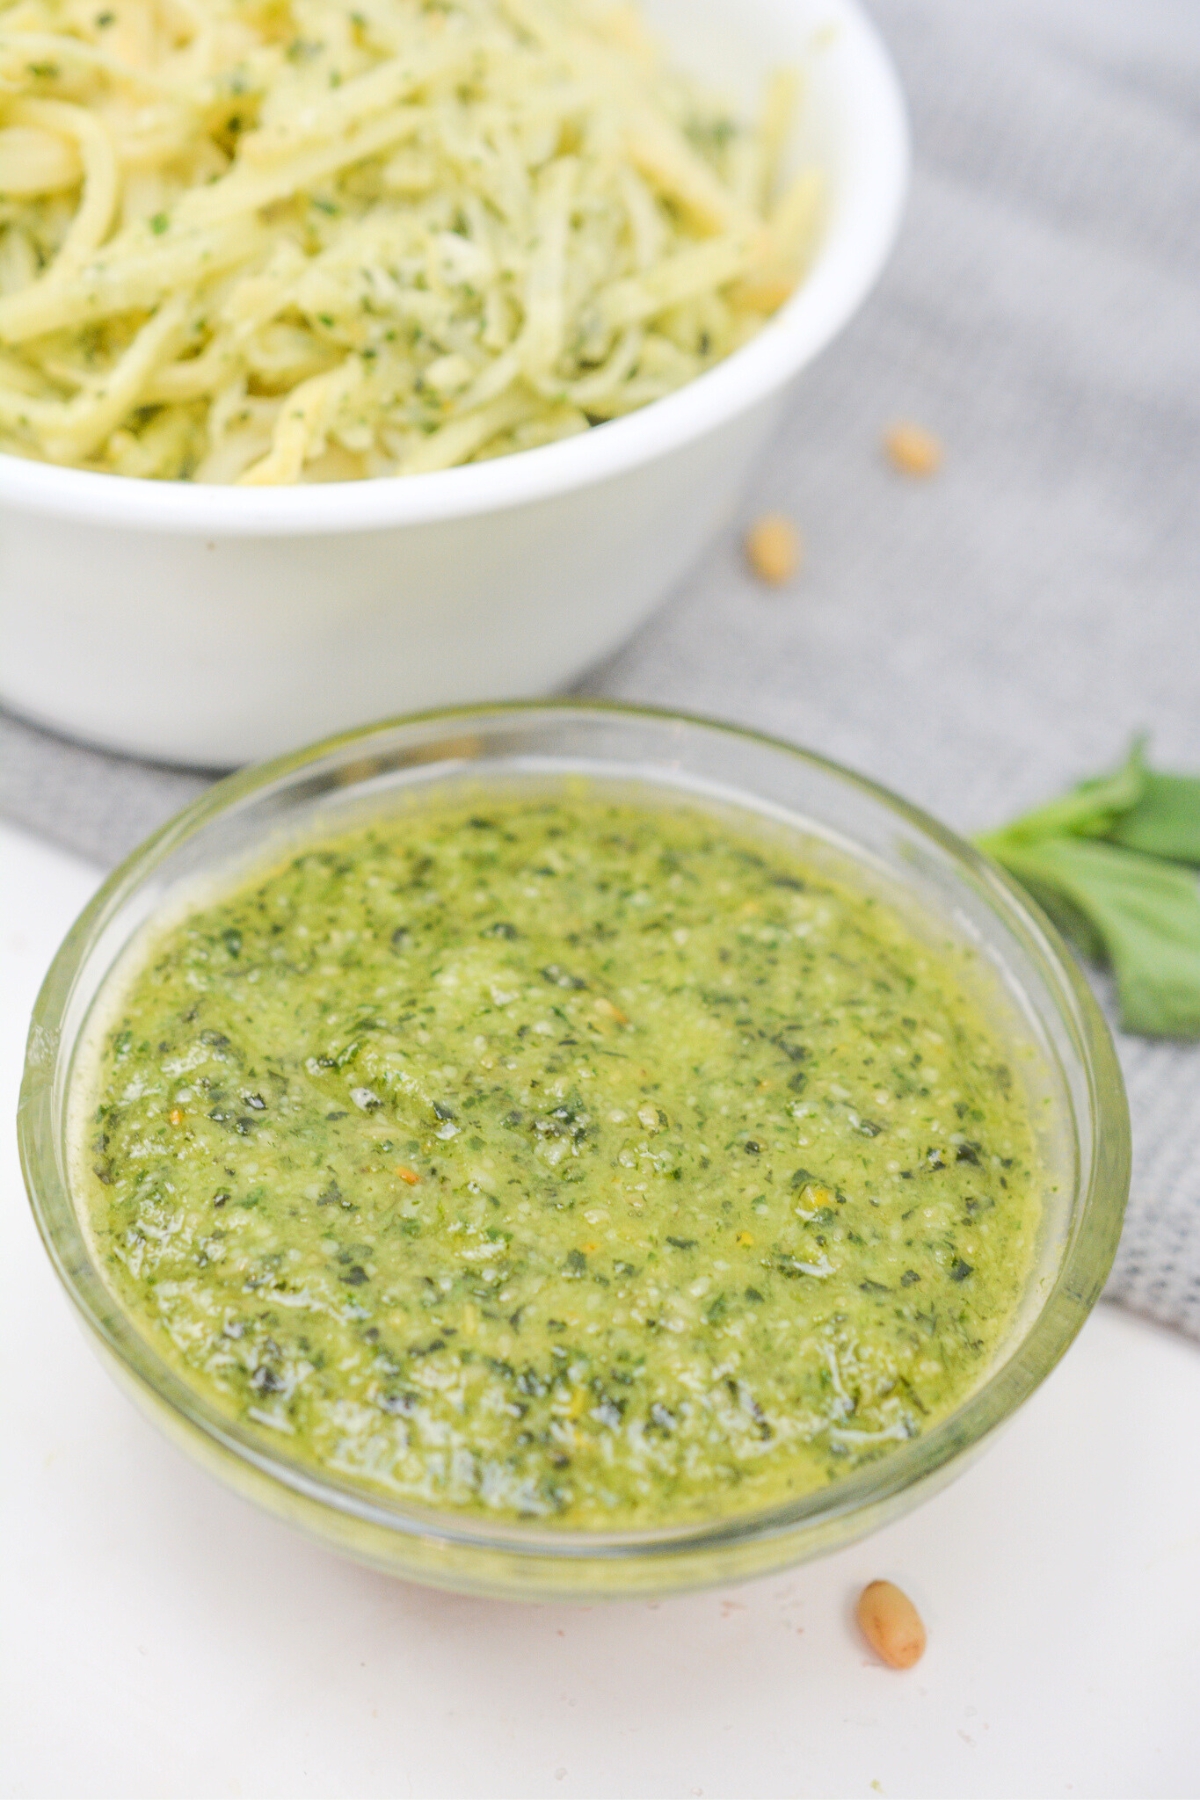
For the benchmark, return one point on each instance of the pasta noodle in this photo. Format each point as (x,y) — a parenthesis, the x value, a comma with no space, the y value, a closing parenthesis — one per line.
(270,241)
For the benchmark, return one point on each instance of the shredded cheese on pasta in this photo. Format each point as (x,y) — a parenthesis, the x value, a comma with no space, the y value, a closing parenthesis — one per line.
(270,241)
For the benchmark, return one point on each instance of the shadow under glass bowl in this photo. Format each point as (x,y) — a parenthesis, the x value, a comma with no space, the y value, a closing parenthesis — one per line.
(1039,1000)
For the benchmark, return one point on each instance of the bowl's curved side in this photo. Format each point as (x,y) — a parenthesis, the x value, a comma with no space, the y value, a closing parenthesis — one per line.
(216,651)
(507,1572)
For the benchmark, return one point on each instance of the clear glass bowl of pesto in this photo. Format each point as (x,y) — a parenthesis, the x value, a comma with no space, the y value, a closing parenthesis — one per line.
(565,1150)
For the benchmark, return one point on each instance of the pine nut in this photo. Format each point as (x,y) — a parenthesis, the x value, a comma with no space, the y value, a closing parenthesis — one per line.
(891,1624)
(773,548)
(912,450)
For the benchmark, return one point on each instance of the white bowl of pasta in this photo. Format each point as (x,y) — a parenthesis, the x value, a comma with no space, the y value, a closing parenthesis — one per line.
(406,362)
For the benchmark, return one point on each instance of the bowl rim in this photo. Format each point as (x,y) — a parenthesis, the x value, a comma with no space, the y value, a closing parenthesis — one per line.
(859,234)
(1085,1261)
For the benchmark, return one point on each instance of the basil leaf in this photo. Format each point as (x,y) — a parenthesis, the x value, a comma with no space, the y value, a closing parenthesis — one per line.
(1070,918)
(1164,820)
(1091,809)
(1143,913)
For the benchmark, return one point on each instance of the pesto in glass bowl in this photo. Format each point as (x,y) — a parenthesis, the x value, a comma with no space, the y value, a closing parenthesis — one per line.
(572,1150)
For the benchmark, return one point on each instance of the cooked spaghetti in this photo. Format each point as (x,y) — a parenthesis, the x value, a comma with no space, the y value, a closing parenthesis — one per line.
(270,241)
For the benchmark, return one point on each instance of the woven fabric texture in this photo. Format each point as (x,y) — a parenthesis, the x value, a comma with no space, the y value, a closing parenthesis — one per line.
(982,638)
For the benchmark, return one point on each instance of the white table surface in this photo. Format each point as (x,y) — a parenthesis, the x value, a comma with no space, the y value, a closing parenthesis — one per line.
(162,1638)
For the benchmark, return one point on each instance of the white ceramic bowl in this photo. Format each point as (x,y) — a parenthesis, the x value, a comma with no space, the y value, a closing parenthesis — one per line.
(216,625)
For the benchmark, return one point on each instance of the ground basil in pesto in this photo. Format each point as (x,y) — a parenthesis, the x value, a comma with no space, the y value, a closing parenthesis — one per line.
(564,1158)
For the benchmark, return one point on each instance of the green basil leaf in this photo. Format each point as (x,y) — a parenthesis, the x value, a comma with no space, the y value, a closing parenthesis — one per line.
(1144,913)
(1069,917)
(1091,809)
(1165,820)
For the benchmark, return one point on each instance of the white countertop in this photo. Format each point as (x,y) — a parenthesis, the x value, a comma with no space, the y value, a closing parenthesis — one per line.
(161,1638)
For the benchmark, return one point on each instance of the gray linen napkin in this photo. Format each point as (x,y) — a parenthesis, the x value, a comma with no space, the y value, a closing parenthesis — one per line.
(978,640)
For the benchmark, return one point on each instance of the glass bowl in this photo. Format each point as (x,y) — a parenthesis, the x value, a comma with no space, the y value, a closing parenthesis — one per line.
(1035,993)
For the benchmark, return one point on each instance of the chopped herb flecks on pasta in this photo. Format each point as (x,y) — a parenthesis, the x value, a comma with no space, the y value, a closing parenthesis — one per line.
(244,241)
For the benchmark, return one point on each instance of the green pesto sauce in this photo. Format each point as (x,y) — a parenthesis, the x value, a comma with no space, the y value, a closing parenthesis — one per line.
(570,1159)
